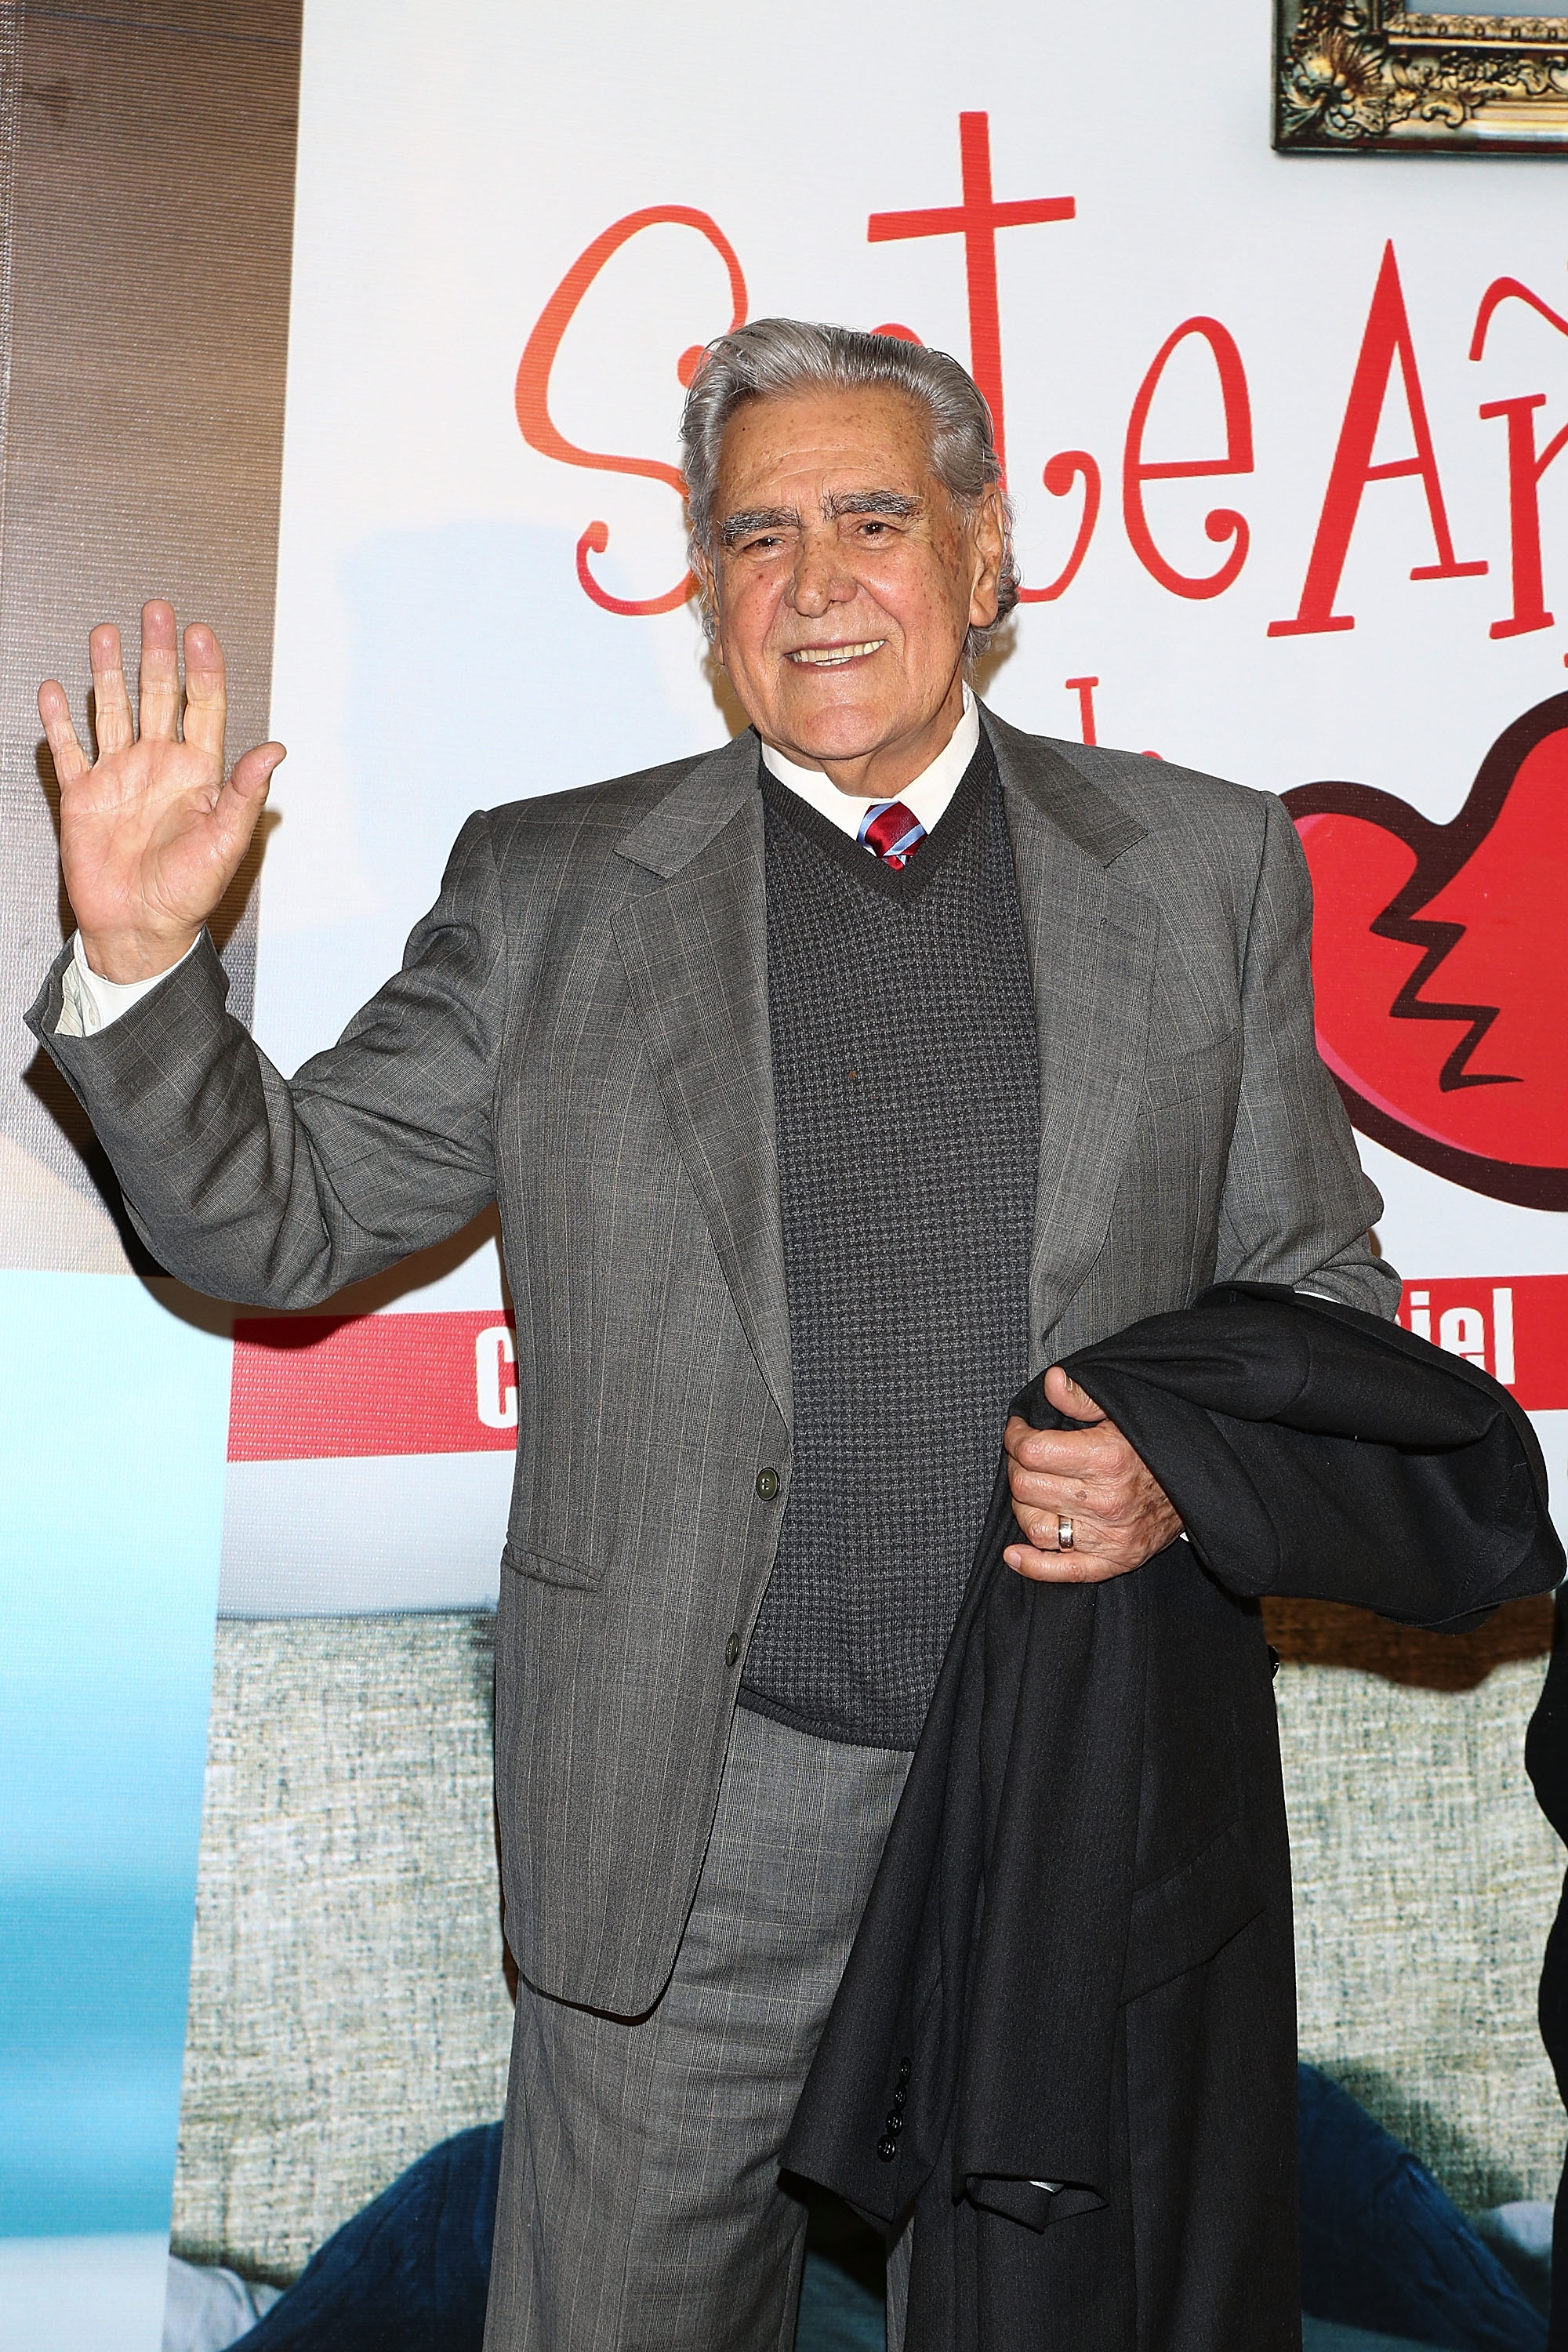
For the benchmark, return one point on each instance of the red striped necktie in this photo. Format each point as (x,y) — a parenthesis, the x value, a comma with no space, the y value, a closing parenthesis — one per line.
(891,832)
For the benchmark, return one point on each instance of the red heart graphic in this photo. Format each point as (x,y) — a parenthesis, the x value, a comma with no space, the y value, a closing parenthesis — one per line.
(1438,965)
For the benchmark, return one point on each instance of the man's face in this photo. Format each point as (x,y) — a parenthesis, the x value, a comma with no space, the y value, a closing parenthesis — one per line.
(846,580)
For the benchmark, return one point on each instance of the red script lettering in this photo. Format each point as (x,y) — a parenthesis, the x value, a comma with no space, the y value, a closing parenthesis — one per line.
(539,428)
(1386,339)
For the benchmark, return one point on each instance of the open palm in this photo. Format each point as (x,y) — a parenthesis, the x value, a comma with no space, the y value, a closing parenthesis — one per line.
(152,833)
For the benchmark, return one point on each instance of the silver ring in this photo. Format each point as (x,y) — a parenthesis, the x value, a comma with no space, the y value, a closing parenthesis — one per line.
(1064,1534)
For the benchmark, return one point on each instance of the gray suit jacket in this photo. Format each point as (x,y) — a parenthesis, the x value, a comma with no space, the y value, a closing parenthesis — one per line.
(579,1033)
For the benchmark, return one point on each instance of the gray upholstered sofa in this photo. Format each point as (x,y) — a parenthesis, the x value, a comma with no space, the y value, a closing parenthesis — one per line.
(349,2004)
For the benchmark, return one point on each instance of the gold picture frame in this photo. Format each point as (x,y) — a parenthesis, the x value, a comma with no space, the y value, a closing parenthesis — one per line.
(1357,76)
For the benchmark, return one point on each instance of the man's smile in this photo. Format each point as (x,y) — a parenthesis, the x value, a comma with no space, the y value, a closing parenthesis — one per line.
(825,656)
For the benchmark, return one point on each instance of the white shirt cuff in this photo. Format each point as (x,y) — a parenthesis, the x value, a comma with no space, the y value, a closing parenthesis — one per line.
(89,1002)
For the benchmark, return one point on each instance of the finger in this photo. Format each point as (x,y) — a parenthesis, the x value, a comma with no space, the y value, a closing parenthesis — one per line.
(1039,1515)
(1062,1568)
(1045,1529)
(54,709)
(159,709)
(1071,1453)
(1039,1446)
(112,723)
(206,690)
(239,804)
(1065,1394)
(254,772)
(1034,1492)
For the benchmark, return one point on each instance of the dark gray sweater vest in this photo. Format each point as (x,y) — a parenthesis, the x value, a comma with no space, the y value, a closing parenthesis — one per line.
(906,1089)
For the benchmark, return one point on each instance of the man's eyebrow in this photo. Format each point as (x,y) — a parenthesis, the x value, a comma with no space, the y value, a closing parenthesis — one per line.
(872,502)
(736,527)
(750,519)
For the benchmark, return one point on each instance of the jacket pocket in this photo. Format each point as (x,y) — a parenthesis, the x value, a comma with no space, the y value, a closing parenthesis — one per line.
(1183,1920)
(568,1572)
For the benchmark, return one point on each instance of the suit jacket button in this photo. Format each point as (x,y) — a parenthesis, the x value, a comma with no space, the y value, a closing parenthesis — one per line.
(732,1650)
(768,1485)
(887,2149)
(893,2123)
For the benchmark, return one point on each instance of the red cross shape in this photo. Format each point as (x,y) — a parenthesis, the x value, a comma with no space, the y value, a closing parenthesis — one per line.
(977,219)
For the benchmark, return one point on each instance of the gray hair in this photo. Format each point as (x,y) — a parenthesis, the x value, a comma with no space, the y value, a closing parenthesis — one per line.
(775,357)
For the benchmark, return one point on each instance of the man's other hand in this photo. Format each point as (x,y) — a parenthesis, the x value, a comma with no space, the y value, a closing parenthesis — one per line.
(1119,1514)
(151,834)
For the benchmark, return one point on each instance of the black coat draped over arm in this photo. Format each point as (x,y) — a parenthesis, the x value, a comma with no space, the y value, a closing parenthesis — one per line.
(1065,2035)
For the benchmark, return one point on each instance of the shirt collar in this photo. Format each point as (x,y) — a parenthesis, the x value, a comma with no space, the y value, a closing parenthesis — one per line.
(926,798)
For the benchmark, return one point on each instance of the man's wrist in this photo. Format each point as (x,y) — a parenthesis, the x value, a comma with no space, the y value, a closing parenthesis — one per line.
(91,1002)
(130,960)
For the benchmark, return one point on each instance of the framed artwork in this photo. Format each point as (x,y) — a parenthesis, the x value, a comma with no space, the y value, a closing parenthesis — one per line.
(1354,76)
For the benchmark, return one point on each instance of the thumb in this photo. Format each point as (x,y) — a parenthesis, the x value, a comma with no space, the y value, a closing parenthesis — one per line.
(253,773)
(242,800)
(241,803)
(1065,1395)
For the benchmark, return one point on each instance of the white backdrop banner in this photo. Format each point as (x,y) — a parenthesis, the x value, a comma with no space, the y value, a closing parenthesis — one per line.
(1281,435)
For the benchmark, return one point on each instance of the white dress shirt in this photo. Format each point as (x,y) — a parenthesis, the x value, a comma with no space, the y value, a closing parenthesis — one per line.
(925,799)
(89,1002)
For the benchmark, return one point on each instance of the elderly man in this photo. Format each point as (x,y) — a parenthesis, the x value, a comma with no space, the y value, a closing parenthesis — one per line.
(829,1085)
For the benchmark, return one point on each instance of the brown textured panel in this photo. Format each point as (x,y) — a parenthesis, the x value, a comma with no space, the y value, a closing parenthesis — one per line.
(151,165)
(1326,1634)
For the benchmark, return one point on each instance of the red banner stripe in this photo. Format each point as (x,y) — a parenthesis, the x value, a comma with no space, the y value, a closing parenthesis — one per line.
(325,1387)
(1514,1326)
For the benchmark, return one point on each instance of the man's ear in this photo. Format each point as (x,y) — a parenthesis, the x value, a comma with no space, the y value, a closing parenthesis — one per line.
(708,594)
(988,538)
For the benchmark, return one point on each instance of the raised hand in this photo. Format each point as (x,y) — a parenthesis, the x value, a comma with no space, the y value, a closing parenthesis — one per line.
(152,833)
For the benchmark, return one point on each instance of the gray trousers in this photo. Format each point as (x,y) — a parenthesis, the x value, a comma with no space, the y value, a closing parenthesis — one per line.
(640,2207)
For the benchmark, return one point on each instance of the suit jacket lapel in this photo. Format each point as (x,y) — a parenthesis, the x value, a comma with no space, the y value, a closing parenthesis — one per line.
(1091,943)
(694,941)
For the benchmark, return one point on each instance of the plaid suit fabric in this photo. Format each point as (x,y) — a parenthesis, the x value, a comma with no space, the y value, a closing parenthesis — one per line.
(579,1033)
(654,2144)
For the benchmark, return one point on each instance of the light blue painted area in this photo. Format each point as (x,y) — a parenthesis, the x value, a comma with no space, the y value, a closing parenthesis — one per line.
(461,635)
(489,611)
(102,2293)
(113,1426)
